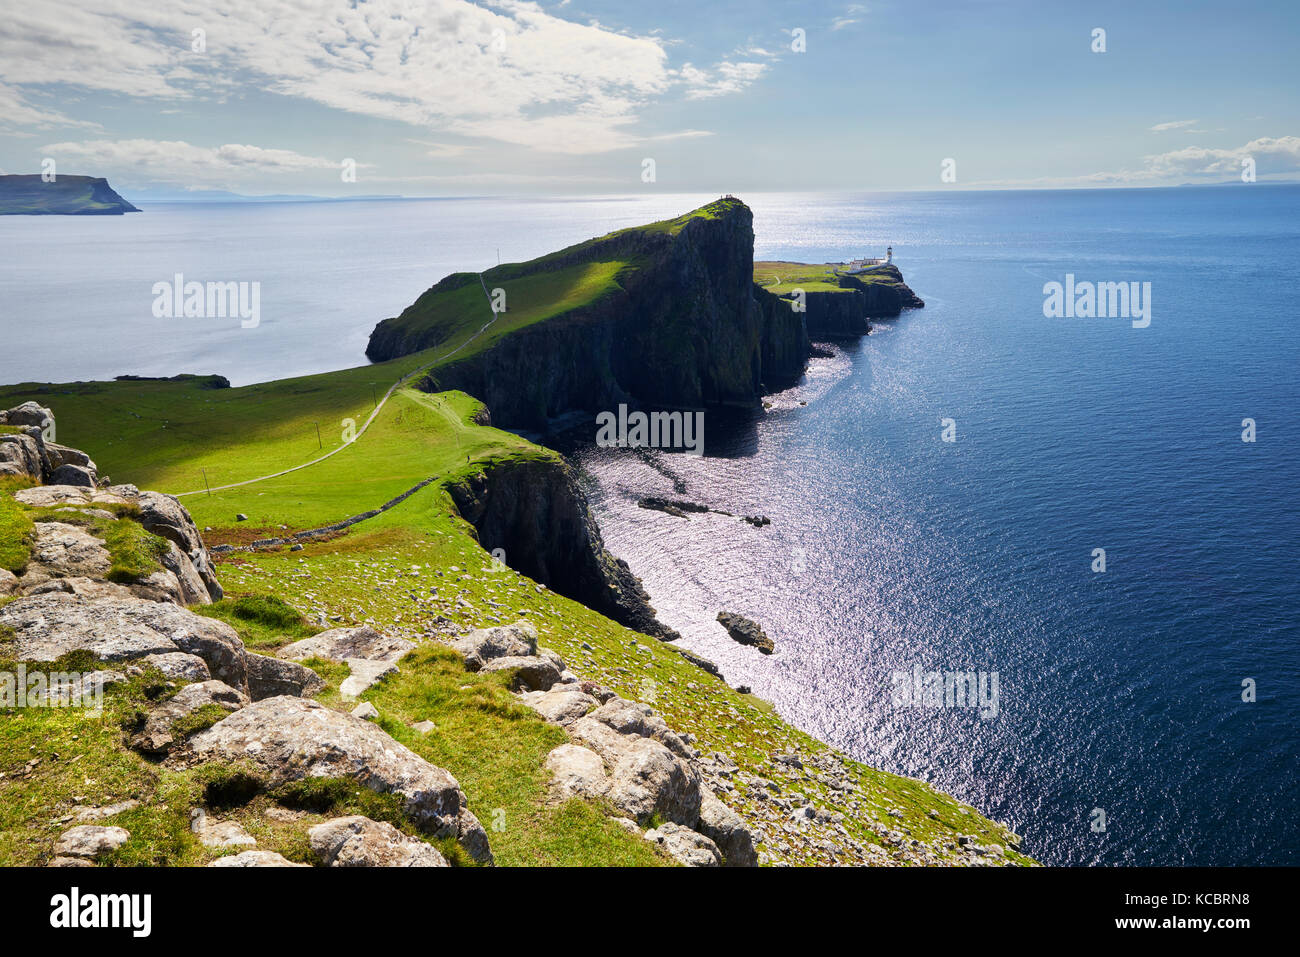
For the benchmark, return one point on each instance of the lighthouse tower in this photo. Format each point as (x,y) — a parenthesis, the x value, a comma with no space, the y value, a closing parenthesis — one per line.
(889,255)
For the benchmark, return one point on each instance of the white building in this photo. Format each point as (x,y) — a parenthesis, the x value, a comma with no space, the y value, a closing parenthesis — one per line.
(862,265)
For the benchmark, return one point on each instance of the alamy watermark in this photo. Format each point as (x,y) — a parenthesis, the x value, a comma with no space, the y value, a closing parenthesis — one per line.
(1098,300)
(50,689)
(178,299)
(678,431)
(919,688)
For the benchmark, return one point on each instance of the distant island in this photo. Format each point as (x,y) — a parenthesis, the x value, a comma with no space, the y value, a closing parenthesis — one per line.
(30,195)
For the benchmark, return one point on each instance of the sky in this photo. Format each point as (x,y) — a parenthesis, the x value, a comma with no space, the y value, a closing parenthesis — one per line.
(448,97)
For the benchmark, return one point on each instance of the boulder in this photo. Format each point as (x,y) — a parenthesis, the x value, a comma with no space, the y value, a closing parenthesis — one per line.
(29,413)
(60,455)
(47,496)
(746,632)
(220,834)
(632,717)
(165,516)
(99,813)
(576,772)
(191,588)
(84,587)
(562,705)
(532,673)
(269,677)
(508,641)
(8,583)
(122,629)
(255,859)
(90,841)
(686,846)
(74,475)
(357,841)
(22,455)
(364,674)
(645,777)
(339,644)
(157,736)
(365,710)
(179,666)
(724,827)
(291,738)
(60,550)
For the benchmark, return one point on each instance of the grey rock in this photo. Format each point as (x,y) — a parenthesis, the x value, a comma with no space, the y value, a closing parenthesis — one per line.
(645,777)
(166,517)
(725,828)
(157,737)
(632,717)
(576,772)
(365,710)
(255,859)
(29,413)
(220,834)
(121,629)
(686,846)
(60,550)
(508,641)
(531,673)
(179,666)
(85,814)
(291,738)
(60,455)
(269,677)
(74,475)
(340,644)
(746,631)
(22,455)
(46,496)
(561,705)
(357,841)
(90,841)
(365,673)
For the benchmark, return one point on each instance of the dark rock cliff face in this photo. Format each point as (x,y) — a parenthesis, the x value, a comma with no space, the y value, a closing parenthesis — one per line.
(536,511)
(846,314)
(884,299)
(687,328)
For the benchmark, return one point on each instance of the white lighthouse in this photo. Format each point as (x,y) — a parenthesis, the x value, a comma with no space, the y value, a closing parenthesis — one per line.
(889,255)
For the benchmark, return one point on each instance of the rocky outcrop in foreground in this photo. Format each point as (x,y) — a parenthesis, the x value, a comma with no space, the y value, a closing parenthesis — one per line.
(63,602)
(621,752)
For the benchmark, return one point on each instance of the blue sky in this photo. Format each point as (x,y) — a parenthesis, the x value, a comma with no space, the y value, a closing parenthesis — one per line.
(446,97)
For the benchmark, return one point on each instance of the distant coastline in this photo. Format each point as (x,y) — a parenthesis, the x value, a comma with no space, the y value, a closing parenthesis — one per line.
(33,195)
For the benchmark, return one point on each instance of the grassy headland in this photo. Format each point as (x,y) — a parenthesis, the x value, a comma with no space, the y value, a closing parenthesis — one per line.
(417,571)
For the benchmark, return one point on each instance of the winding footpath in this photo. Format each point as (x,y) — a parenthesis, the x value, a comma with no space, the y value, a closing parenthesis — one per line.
(369,419)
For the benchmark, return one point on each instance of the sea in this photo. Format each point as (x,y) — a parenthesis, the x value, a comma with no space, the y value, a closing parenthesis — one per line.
(1092,520)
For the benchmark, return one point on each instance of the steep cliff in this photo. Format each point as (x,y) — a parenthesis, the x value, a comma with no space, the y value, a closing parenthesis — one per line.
(675,323)
(535,510)
(30,195)
(837,306)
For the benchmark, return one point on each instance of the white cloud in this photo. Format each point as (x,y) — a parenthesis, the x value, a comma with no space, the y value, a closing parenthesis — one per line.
(724,79)
(15,108)
(1273,156)
(1173,125)
(512,72)
(176,162)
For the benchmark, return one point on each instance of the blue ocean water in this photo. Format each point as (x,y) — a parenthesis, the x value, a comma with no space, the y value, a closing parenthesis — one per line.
(889,548)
